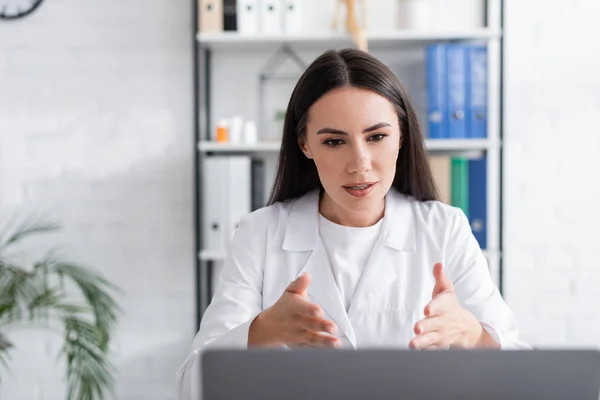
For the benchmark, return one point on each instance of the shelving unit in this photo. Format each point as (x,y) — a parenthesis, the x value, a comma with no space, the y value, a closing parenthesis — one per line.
(235,41)
(445,146)
(207,46)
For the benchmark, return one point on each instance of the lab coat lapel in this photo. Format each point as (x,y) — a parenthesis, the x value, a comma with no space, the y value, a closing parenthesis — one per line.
(324,290)
(302,234)
(397,237)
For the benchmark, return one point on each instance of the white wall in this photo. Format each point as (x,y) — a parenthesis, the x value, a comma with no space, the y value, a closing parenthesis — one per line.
(96,130)
(552,169)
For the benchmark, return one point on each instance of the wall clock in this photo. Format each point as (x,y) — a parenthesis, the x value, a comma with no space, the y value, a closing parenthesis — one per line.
(15,9)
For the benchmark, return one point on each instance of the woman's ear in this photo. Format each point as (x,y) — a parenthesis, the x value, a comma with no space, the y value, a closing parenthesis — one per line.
(401,141)
(303,147)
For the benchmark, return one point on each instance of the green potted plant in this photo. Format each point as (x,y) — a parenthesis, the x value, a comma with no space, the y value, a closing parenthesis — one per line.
(37,294)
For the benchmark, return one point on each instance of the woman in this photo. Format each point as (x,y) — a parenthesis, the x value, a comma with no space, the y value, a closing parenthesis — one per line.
(354,249)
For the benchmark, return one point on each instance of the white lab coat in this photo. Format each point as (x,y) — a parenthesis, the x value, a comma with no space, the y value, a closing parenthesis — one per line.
(275,244)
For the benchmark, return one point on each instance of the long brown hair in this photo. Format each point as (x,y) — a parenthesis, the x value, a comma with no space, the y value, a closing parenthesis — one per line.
(297,175)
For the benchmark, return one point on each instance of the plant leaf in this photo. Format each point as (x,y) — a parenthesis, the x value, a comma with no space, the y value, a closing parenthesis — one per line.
(45,301)
(95,290)
(87,328)
(88,371)
(5,346)
(71,308)
(4,343)
(15,291)
(28,229)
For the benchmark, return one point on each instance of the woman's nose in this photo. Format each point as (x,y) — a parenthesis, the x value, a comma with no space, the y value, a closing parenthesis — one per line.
(360,161)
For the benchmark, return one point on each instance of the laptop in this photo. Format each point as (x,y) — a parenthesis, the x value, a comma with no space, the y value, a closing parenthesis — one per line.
(382,374)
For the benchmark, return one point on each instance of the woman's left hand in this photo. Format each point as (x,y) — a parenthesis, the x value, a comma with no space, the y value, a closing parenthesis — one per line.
(446,323)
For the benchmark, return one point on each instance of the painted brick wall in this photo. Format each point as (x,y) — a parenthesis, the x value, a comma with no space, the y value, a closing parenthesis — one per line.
(552,169)
(96,132)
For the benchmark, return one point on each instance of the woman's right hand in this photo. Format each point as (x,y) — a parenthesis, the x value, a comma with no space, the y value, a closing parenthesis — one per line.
(293,321)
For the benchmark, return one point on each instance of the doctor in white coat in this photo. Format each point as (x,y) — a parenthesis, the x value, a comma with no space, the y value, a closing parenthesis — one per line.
(354,249)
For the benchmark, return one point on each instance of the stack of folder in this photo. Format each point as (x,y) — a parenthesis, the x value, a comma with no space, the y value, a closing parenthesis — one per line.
(250,17)
(232,186)
(456,78)
(456,75)
(462,183)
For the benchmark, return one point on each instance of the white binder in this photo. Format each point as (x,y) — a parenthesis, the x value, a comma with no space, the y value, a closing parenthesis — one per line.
(240,192)
(247,16)
(226,195)
(292,16)
(212,225)
(271,17)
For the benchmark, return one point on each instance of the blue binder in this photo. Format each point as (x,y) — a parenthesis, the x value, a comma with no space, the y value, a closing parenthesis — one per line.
(456,57)
(437,109)
(477,82)
(478,199)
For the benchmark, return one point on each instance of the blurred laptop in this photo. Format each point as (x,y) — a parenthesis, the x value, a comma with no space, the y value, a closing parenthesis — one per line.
(393,374)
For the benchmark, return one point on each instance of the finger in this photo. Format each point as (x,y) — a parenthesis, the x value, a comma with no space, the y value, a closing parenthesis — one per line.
(306,346)
(319,325)
(307,309)
(424,340)
(447,341)
(438,306)
(300,285)
(429,325)
(435,347)
(442,282)
(321,340)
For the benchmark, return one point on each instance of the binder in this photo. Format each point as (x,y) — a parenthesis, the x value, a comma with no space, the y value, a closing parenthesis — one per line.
(440,169)
(477,81)
(230,15)
(456,58)
(212,221)
(239,200)
(437,109)
(292,16)
(258,184)
(270,17)
(226,191)
(478,200)
(247,16)
(460,184)
(210,18)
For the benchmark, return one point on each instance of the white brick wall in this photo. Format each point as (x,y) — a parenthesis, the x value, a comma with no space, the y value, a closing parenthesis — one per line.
(552,169)
(96,130)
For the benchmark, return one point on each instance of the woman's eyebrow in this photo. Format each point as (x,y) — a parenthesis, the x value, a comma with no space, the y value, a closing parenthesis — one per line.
(378,125)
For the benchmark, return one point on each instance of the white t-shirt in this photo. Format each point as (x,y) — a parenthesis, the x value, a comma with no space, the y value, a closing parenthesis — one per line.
(348,249)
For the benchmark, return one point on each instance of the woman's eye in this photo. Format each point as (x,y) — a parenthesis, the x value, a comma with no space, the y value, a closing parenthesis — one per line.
(377,137)
(333,142)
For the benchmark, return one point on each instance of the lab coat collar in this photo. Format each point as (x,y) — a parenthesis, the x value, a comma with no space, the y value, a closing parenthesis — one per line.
(303,224)
(302,228)
(398,226)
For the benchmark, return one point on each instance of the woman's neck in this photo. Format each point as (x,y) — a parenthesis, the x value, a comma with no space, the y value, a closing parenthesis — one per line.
(355,218)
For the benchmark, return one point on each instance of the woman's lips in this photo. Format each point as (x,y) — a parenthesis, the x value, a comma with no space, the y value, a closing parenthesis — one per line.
(360,190)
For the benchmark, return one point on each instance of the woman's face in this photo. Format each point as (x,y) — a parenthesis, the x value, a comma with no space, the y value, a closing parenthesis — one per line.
(353,136)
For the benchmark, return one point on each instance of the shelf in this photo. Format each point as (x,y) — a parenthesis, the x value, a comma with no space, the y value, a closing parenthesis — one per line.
(450,145)
(207,146)
(211,255)
(433,145)
(217,256)
(237,41)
